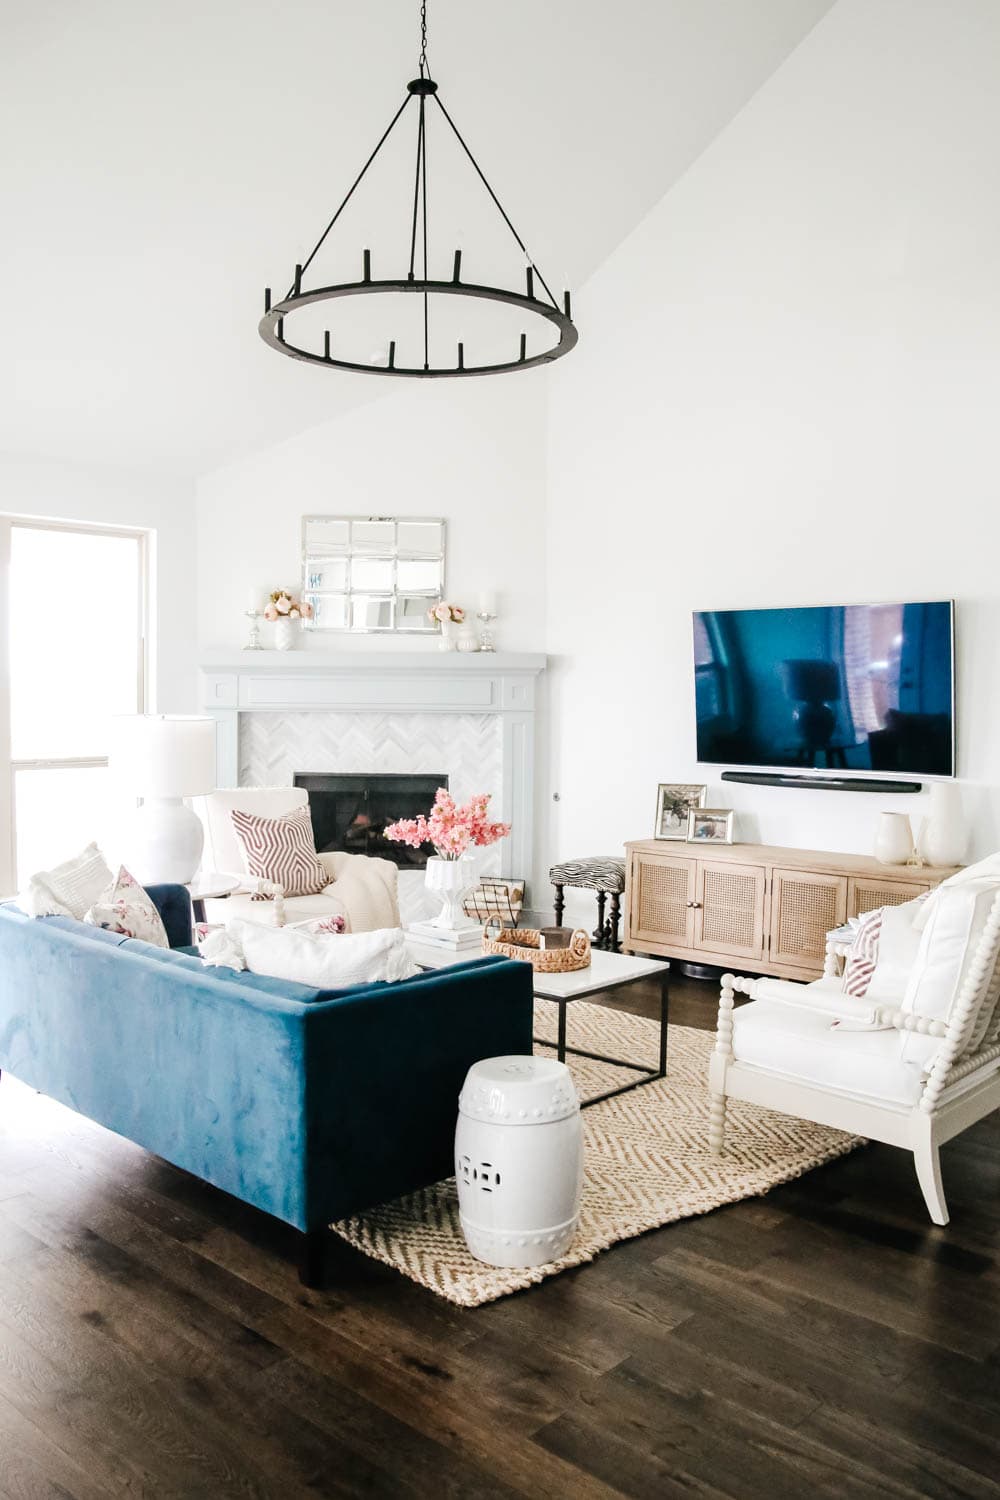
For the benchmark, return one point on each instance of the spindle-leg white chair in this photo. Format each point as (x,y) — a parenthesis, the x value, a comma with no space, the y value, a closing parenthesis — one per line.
(956,1086)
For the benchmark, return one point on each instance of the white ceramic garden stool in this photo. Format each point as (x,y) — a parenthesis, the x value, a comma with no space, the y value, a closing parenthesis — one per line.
(519,1160)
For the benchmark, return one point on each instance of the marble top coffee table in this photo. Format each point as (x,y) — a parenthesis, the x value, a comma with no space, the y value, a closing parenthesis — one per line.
(607,971)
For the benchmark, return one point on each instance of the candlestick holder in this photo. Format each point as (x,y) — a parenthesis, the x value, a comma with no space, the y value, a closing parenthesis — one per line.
(487,641)
(253,644)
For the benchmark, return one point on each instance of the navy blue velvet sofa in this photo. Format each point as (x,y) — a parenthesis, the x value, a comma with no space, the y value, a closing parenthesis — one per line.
(308,1104)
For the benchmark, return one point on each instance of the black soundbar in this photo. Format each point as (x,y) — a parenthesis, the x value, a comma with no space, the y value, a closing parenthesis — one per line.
(821,783)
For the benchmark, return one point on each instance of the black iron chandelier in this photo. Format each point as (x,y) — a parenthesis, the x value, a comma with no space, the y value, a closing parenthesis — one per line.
(536,299)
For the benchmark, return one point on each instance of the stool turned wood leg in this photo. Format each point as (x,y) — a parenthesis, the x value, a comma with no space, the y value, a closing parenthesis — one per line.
(559,905)
(614,921)
(600,936)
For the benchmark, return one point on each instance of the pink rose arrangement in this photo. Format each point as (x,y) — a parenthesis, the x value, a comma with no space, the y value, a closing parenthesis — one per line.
(282,606)
(450,828)
(446,614)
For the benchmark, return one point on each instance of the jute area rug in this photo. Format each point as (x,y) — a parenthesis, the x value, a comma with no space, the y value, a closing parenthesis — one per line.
(647,1162)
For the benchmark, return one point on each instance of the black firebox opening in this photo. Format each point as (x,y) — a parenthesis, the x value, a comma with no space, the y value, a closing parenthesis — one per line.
(349,813)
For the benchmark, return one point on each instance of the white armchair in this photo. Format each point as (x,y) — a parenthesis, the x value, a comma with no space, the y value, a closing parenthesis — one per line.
(362,890)
(913,1064)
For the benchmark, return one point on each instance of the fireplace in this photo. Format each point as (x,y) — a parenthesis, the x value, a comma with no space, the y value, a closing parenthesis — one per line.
(350,812)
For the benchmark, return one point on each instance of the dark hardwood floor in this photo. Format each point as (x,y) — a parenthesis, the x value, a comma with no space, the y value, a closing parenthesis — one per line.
(824,1340)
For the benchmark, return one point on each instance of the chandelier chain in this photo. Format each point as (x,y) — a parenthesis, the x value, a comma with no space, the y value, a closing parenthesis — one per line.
(424,69)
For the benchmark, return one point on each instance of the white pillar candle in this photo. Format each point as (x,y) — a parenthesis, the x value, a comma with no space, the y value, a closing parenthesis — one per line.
(487,602)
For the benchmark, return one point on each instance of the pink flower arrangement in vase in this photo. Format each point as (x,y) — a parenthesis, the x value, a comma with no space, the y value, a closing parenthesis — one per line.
(447,616)
(286,612)
(453,831)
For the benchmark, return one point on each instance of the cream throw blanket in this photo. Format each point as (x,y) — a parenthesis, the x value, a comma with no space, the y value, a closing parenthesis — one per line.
(364,888)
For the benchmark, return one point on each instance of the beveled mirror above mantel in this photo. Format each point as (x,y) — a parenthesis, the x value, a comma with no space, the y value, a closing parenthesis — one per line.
(373,574)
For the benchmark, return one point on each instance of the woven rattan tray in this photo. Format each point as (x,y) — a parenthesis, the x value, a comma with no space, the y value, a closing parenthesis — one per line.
(523,943)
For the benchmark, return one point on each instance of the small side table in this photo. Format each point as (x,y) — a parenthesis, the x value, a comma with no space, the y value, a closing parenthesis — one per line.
(209,888)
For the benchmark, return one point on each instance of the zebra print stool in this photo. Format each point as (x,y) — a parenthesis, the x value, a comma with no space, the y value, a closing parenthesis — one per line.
(603,874)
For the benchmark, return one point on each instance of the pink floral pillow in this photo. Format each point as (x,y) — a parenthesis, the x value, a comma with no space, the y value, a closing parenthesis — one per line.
(125,907)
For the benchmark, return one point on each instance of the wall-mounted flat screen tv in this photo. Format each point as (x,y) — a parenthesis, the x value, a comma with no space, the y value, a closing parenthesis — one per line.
(854,687)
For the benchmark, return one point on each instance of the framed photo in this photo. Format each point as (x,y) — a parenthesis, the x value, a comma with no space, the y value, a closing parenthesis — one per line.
(673,803)
(710,825)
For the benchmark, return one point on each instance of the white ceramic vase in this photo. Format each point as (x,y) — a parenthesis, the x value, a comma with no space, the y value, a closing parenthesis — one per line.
(449,636)
(450,880)
(286,634)
(893,839)
(945,835)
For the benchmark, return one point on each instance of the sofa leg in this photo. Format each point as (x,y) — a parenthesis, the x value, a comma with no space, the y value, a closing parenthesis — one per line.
(312,1258)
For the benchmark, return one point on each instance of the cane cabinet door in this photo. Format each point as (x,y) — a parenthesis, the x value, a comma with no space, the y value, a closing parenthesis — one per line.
(661,899)
(805,906)
(729,908)
(869,892)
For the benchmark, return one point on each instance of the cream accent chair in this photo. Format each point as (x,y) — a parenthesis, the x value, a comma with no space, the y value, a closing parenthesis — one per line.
(361,890)
(914,1063)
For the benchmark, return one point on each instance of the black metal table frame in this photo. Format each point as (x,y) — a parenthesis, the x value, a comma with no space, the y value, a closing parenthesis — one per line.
(650,1075)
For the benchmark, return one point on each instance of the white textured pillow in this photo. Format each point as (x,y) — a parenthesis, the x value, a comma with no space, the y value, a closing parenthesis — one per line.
(69,889)
(898,944)
(328,961)
(953,927)
(125,907)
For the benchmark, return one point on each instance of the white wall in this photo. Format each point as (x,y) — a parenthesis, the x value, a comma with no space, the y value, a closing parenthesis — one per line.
(473,452)
(115,498)
(785,393)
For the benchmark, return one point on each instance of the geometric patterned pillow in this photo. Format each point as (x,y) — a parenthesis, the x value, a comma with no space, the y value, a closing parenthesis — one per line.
(281,850)
(863,956)
(125,907)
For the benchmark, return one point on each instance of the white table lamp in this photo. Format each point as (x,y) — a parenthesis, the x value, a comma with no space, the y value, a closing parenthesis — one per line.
(163,758)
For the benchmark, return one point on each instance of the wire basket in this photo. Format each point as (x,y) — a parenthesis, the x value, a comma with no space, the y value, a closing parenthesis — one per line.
(495,897)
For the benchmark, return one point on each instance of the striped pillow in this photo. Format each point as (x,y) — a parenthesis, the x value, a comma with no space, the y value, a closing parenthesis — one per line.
(863,956)
(281,850)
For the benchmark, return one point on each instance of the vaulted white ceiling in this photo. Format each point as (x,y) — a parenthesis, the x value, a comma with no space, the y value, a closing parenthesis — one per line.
(162,162)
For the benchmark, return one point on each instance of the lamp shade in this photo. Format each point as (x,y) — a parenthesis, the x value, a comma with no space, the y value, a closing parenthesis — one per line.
(163,755)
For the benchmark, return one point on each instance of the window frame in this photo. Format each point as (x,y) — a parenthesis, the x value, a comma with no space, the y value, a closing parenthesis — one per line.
(9,766)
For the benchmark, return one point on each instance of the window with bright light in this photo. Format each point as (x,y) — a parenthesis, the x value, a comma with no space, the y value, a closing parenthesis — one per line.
(75,649)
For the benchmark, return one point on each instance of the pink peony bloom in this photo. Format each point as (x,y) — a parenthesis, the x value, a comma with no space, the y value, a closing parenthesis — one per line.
(282,604)
(270,613)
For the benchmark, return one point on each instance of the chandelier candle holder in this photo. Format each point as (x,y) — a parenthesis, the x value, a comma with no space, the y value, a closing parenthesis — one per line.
(536,300)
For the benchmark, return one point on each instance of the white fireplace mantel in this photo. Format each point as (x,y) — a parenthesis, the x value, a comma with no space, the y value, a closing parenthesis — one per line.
(390,683)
